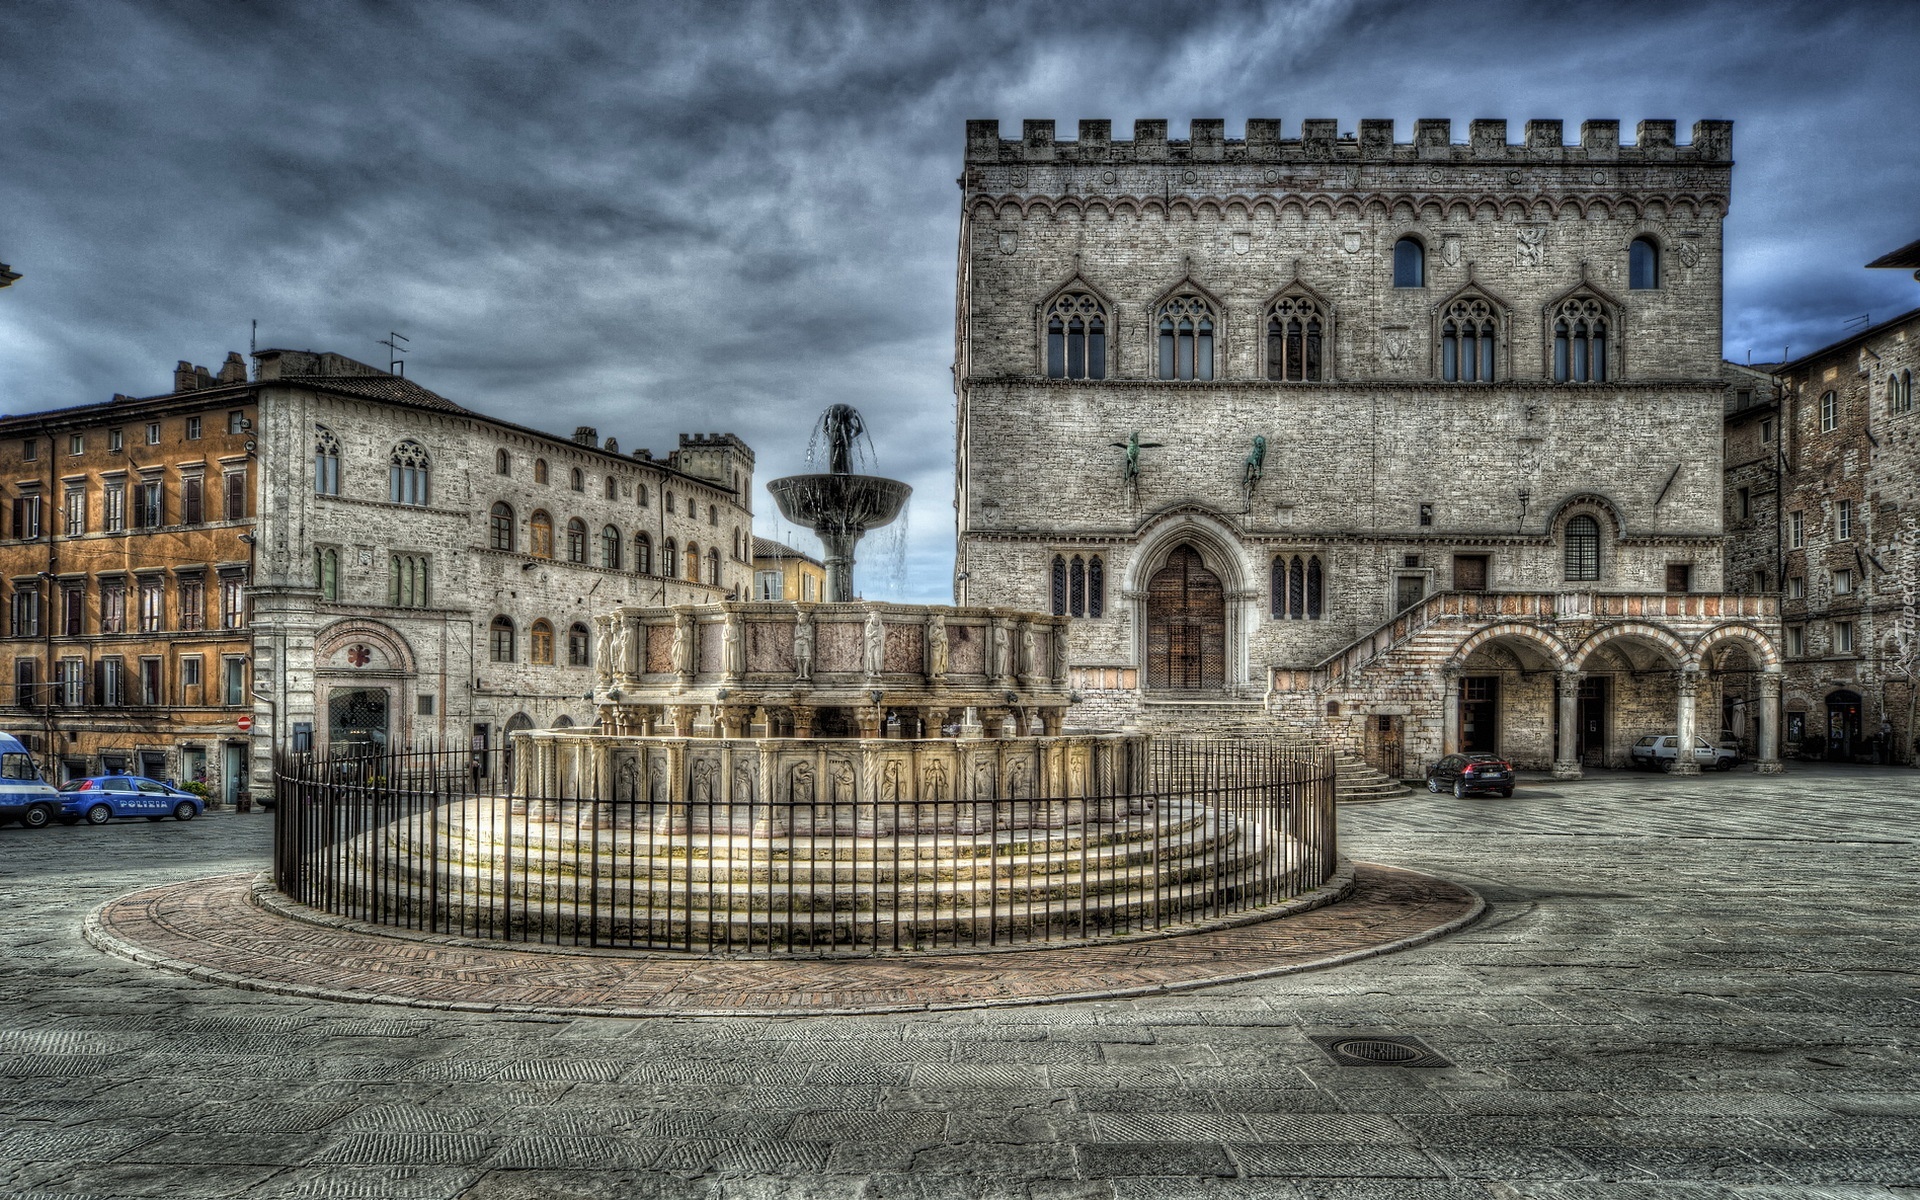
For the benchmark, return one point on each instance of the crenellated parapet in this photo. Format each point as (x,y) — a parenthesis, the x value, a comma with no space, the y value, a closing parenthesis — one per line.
(1321,141)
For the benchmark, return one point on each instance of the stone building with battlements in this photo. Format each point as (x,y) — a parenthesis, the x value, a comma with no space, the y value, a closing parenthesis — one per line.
(1413,446)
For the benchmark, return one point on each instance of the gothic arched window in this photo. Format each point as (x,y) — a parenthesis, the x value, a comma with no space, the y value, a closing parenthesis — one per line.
(576,540)
(1580,341)
(326,462)
(1643,264)
(1058,589)
(1409,263)
(407,580)
(1583,548)
(1296,340)
(1297,588)
(1078,585)
(1096,586)
(407,474)
(1467,341)
(1076,337)
(579,646)
(540,643)
(610,548)
(500,640)
(500,526)
(1900,392)
(540,534)
(1186,338)
(643,554)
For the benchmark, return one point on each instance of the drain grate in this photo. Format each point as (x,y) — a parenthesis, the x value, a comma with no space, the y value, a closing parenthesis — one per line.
(1379,1050)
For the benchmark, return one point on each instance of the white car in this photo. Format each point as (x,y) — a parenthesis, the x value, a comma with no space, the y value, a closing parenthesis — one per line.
(1655,751)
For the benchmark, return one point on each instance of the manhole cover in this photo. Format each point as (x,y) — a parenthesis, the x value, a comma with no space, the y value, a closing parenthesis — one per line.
(1378,1050)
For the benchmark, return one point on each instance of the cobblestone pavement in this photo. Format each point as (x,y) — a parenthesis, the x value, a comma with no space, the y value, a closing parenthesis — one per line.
(1698,988)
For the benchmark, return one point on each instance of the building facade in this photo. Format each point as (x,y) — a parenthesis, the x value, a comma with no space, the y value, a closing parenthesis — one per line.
(1413,446)
(1846,537)
(782,573)
(126,557)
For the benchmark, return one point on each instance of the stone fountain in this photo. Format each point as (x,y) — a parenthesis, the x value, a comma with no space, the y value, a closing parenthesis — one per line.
(840,506)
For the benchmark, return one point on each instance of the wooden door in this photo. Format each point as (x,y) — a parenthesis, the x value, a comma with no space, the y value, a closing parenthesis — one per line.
(1385,746)
(1469,572)
(1186,625)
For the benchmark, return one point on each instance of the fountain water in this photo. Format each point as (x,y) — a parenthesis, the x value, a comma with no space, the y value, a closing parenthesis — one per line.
(839,506)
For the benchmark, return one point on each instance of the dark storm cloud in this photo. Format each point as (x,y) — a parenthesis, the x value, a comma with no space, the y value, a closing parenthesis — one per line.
(663,218)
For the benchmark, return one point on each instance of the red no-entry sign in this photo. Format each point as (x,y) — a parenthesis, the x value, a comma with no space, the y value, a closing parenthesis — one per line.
(245,723)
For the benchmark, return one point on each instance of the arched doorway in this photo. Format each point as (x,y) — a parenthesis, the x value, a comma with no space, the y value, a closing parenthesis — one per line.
(1186,625)
(1843,725)
(357,720)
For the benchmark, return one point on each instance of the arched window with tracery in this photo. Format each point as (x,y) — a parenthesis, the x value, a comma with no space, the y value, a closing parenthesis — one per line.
(1467,340)
(1583,548)
(1058,589)
(1076,337)
(326,462)
(500,640)
(1078,585)
(669,560)
(576,540)
(500,526)
(713,566)
(407,474)
(1296,340)
(540,534)
(540,643)
(1643,264)
(1409,263)
(1580,327)
(1186,329)
(643,554)
(579,646)
(1298,587)
(610,548)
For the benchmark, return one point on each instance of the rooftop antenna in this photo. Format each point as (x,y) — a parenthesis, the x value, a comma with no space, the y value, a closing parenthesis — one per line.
(395,365)
(1859,322)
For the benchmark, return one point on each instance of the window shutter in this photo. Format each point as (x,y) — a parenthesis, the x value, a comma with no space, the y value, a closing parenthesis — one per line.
(19,516)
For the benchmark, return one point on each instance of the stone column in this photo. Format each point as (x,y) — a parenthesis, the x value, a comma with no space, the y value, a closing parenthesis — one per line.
(1686,685)
(802,721)
(936,718)
(1767,762)
(1450,721)
(683,715)
(1566,764)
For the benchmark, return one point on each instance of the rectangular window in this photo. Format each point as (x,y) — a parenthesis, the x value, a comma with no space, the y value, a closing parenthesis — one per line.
(193,601)
(147,510)
(1843,519)
(26,682)
(152,606)
(425,708)
(77,443)
(150,690)
(1796,530)
(76,506)
(30,450)
(1766,431)
(236,422)
(153,433)
(110,690)
(113,608)
(1842,582)
(1746,503)
(26,612)
(193,505)
(1796,587)
(26,516)
(769,585)
(1426,514)
(236,686)
(115,442)
(190,671)
(233,604)
(193,429)
(236,482)
(1796,641)
(73,682)
(73,609)
(1843,637)
(113,506)
(1679,577)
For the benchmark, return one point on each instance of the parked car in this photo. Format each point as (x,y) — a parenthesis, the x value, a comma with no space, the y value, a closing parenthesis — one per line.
(1466,774)
(98,799)
(1656,752)
(24,796)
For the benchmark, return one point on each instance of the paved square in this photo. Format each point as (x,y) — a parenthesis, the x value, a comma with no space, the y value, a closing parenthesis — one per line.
(1684,988)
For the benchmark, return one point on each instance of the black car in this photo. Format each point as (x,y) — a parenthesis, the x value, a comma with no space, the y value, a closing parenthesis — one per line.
(1466,774)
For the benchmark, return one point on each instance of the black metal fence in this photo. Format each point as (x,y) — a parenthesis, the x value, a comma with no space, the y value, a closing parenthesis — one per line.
(439,842)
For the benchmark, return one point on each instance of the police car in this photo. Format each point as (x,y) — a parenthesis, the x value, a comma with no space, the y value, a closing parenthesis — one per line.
(100,798)
(24,796)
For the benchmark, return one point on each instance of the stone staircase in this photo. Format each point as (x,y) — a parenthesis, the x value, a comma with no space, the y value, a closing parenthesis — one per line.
(1356,781)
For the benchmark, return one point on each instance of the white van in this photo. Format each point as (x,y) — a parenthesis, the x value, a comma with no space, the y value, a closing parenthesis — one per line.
(24,796)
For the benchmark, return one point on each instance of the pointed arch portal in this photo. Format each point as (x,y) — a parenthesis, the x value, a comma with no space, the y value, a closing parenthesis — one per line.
(1186,624)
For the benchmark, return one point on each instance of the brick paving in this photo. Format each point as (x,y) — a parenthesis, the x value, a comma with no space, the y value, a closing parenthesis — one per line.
(1682,990)
(212,929)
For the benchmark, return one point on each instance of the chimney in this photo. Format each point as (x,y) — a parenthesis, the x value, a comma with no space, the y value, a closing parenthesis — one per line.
(586,435)
(183,377)
(613,445)
(234,370)
(202,378)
